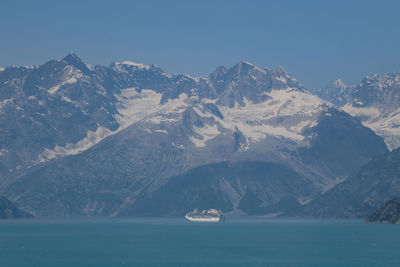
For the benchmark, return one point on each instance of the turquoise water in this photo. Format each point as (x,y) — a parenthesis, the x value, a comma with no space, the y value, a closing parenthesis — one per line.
(175,242)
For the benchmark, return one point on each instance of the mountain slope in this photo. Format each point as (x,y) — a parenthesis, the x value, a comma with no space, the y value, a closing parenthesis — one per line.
(375,101)
(376,182)
(140,160)
(249,187)
(9,211)
(340,145)
(388,213)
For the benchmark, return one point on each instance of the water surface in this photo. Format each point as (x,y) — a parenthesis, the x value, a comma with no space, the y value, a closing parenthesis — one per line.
(175,242)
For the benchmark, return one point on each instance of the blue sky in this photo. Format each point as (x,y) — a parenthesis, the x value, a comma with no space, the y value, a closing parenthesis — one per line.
(315,41)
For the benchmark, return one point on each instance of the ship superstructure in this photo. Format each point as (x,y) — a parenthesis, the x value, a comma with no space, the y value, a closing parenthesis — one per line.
(211,215)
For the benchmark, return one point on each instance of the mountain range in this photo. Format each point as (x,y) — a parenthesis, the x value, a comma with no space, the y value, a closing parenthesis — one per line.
(375,101)
(132,140)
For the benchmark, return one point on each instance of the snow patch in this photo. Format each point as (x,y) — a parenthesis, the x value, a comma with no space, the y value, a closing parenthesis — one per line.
(91,139)
(3,151)
(169,76)
(90,67)
(190,77)
(281,79)
(386,126)
(67,99)
(313,123)
(54,89)
(365,113)
(5,102)
(247,63)
(206,132)
(178,146)
(261,70)
(135,106)
(169,111)
(71,76)
(31,67)
(136,65)
(209,101)
(285,114)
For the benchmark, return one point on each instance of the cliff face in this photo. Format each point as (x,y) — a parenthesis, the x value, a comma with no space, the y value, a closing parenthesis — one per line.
(8,210)
(388,213)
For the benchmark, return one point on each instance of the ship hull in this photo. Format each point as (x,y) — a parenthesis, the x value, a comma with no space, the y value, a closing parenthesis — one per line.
(212,219)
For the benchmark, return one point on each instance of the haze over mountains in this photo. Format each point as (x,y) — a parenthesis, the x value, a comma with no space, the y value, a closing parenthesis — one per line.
(375,101)
(132,140)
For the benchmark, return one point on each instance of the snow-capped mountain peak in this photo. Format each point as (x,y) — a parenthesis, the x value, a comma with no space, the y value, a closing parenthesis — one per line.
(335,92)
(256,102)
(338,83)
(135,65)
(281,71)
(375,101)
(129,128)
(74,60)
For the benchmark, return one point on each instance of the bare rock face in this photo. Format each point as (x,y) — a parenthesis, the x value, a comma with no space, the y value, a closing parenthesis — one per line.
(9,211)
(388,213)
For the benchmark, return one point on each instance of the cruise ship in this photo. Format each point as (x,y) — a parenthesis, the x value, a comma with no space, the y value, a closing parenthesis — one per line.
(211,215)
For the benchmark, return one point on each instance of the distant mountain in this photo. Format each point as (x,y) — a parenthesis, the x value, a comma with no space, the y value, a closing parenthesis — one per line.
(375,101)
(90,140)
(63,107)
(388,213)
(375,183)
(9,211)
(336,92)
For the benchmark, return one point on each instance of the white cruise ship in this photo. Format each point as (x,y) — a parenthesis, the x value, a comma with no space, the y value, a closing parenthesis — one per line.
(211,215)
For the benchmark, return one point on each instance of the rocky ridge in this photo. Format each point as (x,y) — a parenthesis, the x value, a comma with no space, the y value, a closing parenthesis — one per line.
(375,101)
(98,139)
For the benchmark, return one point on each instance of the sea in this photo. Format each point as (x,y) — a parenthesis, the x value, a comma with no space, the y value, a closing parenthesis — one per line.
(176,242)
